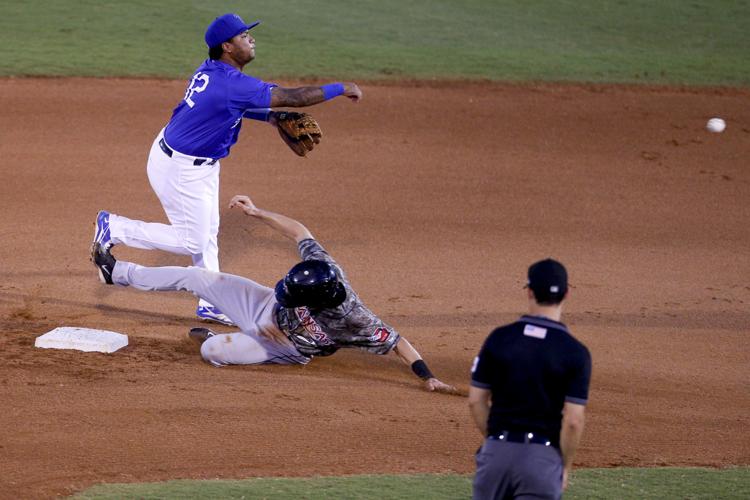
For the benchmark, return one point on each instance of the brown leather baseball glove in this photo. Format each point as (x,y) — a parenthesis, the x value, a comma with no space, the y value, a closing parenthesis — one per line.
(300,131)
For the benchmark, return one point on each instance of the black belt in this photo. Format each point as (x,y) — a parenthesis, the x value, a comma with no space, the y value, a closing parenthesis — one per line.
(521,437)
(197,162)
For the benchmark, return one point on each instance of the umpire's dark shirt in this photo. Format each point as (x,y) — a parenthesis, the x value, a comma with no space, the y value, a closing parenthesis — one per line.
(532,367)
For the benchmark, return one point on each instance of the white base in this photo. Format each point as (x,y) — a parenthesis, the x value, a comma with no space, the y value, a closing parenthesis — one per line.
(82,339)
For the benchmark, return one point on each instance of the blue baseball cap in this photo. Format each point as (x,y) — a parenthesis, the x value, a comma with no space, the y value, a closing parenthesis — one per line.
(225,27)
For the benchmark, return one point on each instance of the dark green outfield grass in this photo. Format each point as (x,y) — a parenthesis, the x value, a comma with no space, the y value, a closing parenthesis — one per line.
(696,42)
(661,483)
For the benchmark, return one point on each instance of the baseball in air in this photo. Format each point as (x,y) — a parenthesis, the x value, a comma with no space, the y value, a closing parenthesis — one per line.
(716,125)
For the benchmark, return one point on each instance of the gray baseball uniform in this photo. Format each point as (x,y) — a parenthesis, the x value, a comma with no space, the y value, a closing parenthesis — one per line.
(268,332)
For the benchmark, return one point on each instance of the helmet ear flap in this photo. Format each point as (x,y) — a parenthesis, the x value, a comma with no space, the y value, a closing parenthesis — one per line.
(339,295)
(282,295)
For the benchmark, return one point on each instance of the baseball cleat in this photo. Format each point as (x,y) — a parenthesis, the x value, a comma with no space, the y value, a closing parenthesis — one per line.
(104,262)
(200,335)
(101,231)
(212,313)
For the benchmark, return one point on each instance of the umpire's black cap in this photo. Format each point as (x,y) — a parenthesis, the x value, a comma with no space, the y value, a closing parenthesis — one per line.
(549,281)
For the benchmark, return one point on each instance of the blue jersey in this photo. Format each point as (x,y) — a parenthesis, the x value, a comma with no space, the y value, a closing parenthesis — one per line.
(207,122)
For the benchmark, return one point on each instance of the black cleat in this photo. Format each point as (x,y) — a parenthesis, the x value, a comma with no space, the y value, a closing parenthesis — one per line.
(104,262)
(200,335)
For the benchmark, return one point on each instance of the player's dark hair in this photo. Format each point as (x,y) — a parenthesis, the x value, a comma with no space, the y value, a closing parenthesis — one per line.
(215,52)
(548,299)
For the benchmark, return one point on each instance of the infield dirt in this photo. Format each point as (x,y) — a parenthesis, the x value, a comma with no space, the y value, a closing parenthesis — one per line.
(435,199)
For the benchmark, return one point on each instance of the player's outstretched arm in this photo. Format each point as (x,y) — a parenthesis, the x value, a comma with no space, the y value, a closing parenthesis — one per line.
(283,224)
(307,96)
(406,353)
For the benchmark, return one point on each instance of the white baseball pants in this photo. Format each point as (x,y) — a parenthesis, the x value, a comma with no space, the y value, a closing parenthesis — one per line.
(249,305)
(190,196)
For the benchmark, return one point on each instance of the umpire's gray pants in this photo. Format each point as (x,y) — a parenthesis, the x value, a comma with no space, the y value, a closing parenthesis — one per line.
(517,470)
(249,305)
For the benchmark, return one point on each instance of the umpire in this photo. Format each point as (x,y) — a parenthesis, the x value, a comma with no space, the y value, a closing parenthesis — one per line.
(536,376)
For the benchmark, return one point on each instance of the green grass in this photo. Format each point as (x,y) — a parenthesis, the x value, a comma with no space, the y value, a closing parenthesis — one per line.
(661,483)
(433,486)
(703,42)
(655,483)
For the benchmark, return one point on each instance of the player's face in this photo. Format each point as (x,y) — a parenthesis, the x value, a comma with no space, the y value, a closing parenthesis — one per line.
(243,48)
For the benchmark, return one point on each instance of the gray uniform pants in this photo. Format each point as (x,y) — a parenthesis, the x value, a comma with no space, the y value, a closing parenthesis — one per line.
(249,305)
(517,470)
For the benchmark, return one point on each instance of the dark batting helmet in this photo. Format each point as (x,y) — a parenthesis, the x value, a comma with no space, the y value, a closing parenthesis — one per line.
(311,283)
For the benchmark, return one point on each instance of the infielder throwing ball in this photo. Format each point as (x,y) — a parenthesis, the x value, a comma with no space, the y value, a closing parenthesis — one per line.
(183,165)
(313,311)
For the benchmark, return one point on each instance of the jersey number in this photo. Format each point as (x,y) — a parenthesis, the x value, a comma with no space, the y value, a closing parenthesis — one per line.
(196,87)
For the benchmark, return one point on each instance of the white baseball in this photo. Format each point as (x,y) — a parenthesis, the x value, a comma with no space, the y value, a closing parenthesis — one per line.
(716,125)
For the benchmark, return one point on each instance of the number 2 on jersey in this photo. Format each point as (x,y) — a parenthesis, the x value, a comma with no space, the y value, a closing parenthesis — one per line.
(195,87)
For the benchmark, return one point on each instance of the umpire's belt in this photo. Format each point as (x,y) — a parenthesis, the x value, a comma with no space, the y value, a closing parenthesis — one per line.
(521,437)
(196,161)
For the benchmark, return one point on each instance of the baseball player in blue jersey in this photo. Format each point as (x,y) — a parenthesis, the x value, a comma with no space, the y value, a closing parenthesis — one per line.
(184,161)
(313,311)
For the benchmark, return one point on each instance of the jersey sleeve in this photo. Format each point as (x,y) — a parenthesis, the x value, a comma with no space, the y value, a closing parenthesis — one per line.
(248,92)
(481,370)
(578,389)
(382,340)
(310,249)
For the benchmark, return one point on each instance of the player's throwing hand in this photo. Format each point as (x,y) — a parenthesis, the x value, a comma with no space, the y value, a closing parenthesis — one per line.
(351,90)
